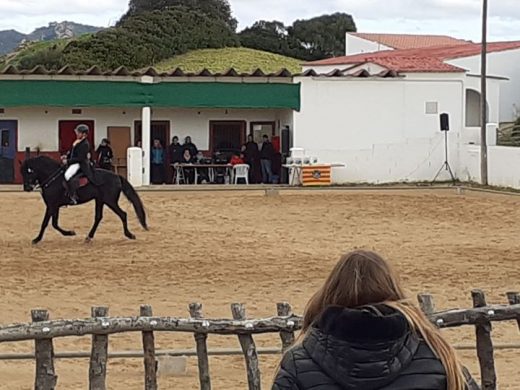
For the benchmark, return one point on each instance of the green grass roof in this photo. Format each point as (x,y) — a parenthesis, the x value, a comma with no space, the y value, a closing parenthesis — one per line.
(241,59)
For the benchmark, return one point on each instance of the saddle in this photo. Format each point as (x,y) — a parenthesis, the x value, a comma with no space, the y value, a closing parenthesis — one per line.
(81,179)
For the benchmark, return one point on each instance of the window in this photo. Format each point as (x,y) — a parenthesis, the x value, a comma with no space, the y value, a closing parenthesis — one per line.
(259,129)
(432,108)
(5,138)
(473,109)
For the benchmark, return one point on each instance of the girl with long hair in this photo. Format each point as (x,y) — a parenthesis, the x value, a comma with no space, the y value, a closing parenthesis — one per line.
(360,332)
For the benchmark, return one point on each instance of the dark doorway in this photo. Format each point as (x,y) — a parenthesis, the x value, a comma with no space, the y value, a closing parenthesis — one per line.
(7,150)
(227,136)
(160,130)
(67,136)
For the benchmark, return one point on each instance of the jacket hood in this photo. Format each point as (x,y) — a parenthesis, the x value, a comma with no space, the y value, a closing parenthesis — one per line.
(364,348)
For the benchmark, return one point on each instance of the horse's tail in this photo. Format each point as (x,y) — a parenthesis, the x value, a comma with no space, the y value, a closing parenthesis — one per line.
(133,197)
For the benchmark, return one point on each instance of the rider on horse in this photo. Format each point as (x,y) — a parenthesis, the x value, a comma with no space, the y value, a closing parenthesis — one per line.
(78,162)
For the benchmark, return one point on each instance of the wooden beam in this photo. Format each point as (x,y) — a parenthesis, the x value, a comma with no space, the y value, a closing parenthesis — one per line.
(483,99)
(426,303)
(202,349)
(65,328)
(46,378)
(249,349)
(484,344)
(150,364)
(99,355)
(284,309)
(456,318)
(514,299)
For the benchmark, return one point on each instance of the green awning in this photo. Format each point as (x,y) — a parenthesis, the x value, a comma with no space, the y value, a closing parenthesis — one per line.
(54,93)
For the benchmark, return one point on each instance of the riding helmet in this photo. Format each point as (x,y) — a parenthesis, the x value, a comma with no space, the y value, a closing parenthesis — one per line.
(82,128)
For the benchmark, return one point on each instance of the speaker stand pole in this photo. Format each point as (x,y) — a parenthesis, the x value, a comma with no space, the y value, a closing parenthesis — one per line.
(445,165)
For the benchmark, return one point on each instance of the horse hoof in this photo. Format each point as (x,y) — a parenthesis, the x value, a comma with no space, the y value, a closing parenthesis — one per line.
(72,233)
(88,240)
(131,236)
(36,241)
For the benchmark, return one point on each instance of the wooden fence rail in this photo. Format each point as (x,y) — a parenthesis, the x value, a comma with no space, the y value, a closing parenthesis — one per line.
(100,326)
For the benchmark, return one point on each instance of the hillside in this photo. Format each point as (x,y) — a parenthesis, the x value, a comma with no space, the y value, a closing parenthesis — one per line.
(31,54)
(219,60)
(11,39)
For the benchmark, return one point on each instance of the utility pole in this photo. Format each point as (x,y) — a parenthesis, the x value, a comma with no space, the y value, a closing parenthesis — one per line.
(483,99)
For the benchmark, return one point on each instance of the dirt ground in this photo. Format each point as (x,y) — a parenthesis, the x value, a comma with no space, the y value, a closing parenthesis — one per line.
(223,247)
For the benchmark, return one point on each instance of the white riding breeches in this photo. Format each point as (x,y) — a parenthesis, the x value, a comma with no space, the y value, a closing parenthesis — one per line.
(71,171)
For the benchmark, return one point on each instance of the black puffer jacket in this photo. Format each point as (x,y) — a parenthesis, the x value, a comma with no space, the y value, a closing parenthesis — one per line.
(366,349)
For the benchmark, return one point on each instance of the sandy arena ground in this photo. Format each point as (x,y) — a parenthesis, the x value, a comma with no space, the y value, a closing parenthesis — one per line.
(219,248)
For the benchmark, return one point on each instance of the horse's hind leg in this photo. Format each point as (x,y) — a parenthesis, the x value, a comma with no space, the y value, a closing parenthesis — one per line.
(97,220)
(45,223)
(121,214)
(55,218)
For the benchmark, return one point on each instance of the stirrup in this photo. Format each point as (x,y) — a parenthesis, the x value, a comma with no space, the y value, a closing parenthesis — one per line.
(73,200)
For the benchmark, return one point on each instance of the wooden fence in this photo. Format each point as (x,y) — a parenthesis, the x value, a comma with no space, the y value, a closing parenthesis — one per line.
(100,326)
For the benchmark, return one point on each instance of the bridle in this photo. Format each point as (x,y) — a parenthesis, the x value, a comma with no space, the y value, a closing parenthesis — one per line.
(51,179)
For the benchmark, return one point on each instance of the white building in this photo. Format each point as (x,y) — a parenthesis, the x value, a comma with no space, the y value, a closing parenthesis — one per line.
(40,109)
(376,112)
(387,129)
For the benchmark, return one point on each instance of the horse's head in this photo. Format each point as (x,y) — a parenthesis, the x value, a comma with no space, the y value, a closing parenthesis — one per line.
(30,177)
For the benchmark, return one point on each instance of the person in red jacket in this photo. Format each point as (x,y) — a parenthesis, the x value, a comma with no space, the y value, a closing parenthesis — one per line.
(237,159)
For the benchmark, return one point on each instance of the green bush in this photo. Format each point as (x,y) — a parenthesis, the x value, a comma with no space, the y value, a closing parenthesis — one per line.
(148,38)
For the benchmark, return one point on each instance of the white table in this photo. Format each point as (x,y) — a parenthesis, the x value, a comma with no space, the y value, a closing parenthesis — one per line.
(179,168)
(296,170)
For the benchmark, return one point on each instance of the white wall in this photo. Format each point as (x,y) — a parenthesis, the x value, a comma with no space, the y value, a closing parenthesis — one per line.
(39,126)
(502,163)
(502,64)
(357,45)
(379,128)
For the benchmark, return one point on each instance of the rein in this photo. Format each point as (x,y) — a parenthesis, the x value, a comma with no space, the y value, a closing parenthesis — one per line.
(51,179)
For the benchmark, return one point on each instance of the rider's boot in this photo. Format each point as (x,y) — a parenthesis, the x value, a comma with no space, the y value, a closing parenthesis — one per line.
(72,186)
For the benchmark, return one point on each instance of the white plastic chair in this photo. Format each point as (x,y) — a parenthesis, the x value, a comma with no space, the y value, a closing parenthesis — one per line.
(241,171)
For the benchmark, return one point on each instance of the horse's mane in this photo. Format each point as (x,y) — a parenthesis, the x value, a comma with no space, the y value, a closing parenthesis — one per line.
(44,162)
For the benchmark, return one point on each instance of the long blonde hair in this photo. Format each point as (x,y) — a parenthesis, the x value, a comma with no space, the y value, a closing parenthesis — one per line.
(364,278)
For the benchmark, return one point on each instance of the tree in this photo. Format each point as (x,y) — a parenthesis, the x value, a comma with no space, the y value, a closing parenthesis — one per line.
(323,36)
(149,37)
(313,39)
(268,36)
(216,9)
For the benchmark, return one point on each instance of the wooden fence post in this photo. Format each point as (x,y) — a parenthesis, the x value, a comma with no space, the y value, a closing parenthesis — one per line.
(150,364)
(202,349)
(284,309)
(514,299)
(44,352)
(426,303)
(99,354)
(485,345)
(248,347)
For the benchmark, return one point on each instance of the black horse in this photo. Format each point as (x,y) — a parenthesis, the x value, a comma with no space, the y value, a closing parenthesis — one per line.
(48,174)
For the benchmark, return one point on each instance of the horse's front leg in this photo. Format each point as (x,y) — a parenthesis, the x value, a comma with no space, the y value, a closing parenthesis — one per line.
(97,220)
(55,218)
(45,223)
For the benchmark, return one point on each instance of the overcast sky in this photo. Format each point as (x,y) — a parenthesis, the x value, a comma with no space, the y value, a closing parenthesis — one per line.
(459,18)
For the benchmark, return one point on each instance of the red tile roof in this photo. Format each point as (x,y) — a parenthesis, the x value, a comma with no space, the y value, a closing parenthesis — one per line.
(429,59)
(408,41)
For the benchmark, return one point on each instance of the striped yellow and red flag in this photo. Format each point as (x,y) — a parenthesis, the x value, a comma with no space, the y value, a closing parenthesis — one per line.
(316,175)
